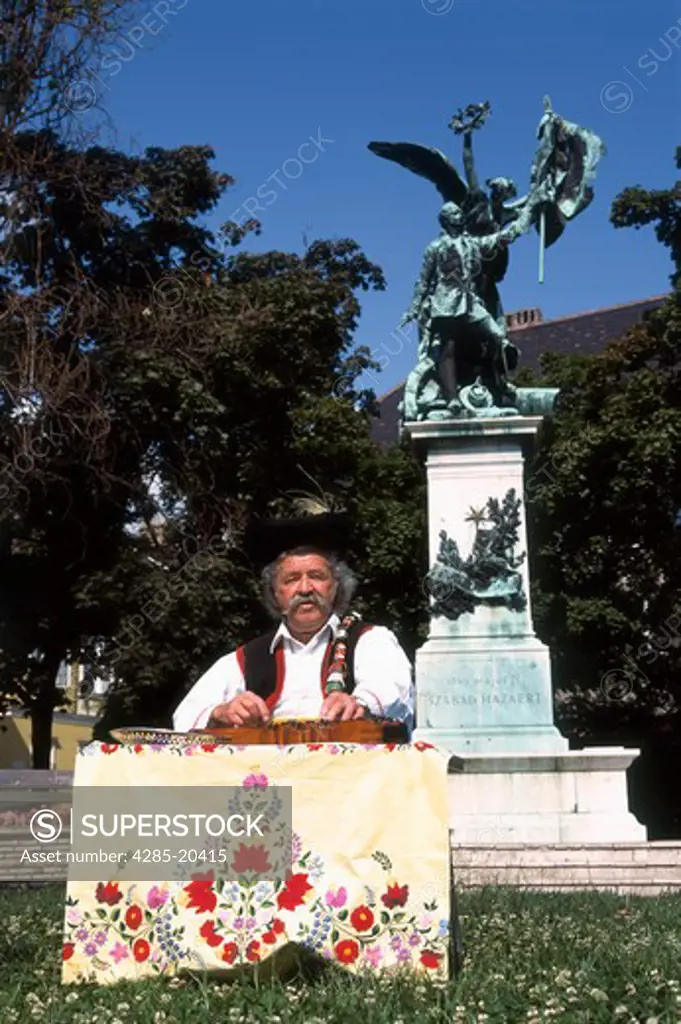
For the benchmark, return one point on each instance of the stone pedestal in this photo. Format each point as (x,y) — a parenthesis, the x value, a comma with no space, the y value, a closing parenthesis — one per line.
(483,679)
(575,797)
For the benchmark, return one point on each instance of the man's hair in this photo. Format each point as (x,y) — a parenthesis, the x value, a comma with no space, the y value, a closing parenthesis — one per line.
(346,581)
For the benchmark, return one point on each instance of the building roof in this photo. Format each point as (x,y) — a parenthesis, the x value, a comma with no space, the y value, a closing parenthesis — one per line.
(577,334)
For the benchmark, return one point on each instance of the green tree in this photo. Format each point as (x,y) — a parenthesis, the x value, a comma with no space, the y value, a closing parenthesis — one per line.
(156,391)
(279,358)
(147,377)
(604,496)
(76,375)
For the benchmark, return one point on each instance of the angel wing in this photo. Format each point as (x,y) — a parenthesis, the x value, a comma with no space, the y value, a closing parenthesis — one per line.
(427,163)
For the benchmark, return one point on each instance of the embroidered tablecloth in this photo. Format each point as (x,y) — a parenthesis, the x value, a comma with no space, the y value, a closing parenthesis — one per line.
(369,885)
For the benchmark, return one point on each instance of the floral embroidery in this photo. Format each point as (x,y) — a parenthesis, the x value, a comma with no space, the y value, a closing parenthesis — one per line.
(184,749)
(111,933)
(252,953)
(242,923)
(251,858)
(118,953)
(361,919)
(346,951)
(336,678)
(373,955)
(293,892)
(202,896)
(208,933)
(396,896)
(229,952)
(133,917)
(156,897)
(337,897)
(108,893)
(141,950)
(132,929)
(255,779)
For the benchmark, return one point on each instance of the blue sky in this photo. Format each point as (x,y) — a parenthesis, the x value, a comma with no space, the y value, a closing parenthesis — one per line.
(255,79)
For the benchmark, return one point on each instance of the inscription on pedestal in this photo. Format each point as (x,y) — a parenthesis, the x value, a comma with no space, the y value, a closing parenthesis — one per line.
(480,689)
(436,699)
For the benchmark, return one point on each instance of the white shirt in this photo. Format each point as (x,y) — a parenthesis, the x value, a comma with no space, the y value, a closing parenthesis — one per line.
(383,679)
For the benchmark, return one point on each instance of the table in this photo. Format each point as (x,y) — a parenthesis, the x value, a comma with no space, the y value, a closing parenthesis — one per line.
(369,887)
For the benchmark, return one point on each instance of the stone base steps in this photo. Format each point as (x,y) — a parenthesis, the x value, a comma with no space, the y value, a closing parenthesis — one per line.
(644,869)
(13,869)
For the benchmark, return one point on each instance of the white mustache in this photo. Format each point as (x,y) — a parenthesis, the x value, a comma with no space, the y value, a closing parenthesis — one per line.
(299,599)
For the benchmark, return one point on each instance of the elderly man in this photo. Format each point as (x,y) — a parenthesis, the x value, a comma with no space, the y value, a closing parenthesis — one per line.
(319,661)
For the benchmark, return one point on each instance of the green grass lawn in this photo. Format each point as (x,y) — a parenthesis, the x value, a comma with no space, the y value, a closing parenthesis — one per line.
(581,958)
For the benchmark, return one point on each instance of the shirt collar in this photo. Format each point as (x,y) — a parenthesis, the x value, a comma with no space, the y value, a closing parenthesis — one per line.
(283,633)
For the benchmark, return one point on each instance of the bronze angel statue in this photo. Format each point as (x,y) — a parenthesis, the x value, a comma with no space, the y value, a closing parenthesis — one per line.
(465,355)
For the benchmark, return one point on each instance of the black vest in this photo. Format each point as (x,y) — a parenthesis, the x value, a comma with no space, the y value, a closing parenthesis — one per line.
(263,670)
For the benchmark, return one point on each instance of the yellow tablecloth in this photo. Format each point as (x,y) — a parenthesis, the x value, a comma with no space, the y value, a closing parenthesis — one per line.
(369,886)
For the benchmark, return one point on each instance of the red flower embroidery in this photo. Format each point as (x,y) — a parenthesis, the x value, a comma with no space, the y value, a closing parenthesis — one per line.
(108,748)
(361,919)
(229,952)
(67,951)
(420,745)
(209,747)
(346,951)
(430,960)
(315,746)
(292,894)
(278,926)
(390,747)
(207,932)
(138,748)
(109,893)
(251,858)
(140,950)
(133,917)
(269,937)
(395,896)
(252,953)
(201,895)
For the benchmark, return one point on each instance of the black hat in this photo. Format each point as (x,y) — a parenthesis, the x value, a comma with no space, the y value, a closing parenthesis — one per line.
(316,527)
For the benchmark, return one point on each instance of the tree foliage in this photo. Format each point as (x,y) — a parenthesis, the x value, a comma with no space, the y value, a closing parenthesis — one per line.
(86,240)
(47,48)
(157,389)
(604,495)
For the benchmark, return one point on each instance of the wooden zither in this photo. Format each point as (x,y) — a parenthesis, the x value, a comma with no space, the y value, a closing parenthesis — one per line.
(362,731)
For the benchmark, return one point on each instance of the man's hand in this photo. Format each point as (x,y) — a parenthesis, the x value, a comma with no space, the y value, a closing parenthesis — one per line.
(245,709)
(341,707)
